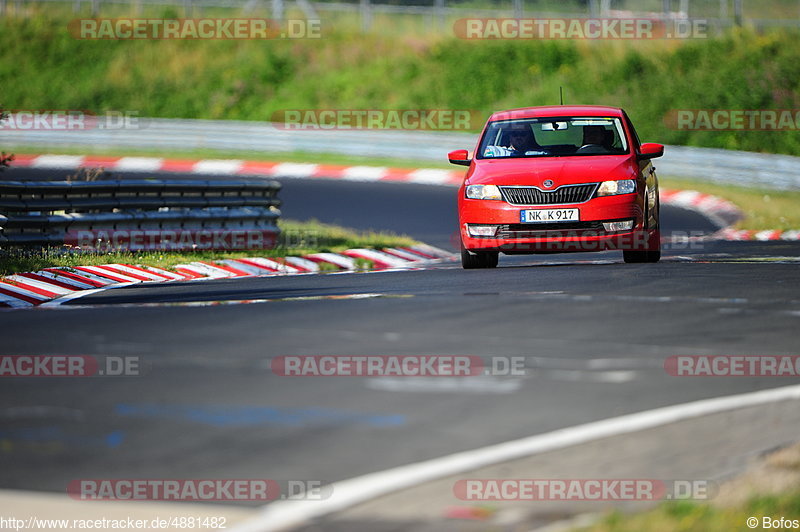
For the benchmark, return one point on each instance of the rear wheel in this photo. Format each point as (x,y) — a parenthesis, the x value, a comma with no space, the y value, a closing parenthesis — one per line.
(478,259)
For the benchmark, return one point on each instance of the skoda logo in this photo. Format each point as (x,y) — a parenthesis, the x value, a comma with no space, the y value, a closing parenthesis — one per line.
(548,183)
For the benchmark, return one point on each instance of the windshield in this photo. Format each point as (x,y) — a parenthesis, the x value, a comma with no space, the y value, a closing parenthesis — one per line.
(553,137)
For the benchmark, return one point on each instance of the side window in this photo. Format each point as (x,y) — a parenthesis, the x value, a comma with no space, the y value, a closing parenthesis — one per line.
(636,141)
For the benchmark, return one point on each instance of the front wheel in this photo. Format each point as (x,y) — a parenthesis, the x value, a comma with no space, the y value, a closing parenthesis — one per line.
(478,259)
(633,257)
(653,251)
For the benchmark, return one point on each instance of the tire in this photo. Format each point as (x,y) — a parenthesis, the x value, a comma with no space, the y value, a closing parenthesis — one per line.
(478,259)
(638,257)
(649,255)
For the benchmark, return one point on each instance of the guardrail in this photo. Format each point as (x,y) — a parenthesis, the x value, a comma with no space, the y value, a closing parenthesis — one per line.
(705,164)
(140,214)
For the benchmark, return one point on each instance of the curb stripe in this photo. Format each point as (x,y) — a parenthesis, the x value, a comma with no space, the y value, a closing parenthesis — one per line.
(204,270)
(248,269)
(34,287)
(53,286)
(400,253)
(189,272)
(115,268)
(226,267)
(102,271)
(264,264)
(15,299)
(380,259)
(19,293)
(82,277)
(42,277)
(161,274)
(301,264)
(341,262)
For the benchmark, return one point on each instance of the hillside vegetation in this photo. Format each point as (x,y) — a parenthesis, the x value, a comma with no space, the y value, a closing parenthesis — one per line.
(43,67)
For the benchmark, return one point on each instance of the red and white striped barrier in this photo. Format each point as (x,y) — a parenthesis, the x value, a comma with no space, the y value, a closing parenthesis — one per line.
(205,167)
(33,289)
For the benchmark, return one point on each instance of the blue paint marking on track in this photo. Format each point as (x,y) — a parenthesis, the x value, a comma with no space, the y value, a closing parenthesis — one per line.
(54,434)
(243,416)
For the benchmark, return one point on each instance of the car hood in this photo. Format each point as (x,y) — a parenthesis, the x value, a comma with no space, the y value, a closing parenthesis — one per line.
(561,170)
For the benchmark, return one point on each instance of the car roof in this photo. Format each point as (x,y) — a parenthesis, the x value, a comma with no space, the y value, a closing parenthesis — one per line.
(557,111)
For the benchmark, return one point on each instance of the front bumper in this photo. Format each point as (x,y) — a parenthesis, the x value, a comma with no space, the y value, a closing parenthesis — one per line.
(586,235)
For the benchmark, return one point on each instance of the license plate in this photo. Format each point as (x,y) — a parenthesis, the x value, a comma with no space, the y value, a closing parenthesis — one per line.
(531,216)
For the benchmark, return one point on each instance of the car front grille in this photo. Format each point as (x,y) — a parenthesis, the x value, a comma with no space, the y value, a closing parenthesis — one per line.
(535,196)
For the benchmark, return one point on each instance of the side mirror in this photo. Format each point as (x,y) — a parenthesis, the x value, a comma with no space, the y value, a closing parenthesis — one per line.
(460,157)
(650,150)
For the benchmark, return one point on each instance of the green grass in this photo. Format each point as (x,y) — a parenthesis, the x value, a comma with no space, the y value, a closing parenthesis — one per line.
(684,516)
(297,238)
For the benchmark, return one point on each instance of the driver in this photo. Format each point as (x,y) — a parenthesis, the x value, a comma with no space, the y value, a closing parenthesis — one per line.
(595,135)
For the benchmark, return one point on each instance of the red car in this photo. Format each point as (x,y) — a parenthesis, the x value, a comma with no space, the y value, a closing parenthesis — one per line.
(558,179)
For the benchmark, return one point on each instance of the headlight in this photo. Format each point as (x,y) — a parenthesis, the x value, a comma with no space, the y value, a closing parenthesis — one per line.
(612,188)
(483,192)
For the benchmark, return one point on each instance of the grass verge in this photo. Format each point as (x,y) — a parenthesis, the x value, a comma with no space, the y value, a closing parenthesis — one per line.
(297,238)
(763,208)
(684,516)
(770,487)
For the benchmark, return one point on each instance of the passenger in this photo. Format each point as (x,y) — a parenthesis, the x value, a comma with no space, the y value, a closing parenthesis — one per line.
(521,141)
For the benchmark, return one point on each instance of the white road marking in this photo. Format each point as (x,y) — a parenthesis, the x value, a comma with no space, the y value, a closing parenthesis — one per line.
(290,513)
(574,375)
(478,385)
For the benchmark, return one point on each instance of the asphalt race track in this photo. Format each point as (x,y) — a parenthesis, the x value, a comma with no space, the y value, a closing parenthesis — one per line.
(595,333)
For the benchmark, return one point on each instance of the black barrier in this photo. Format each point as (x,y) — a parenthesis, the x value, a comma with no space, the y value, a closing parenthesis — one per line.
(140,214)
